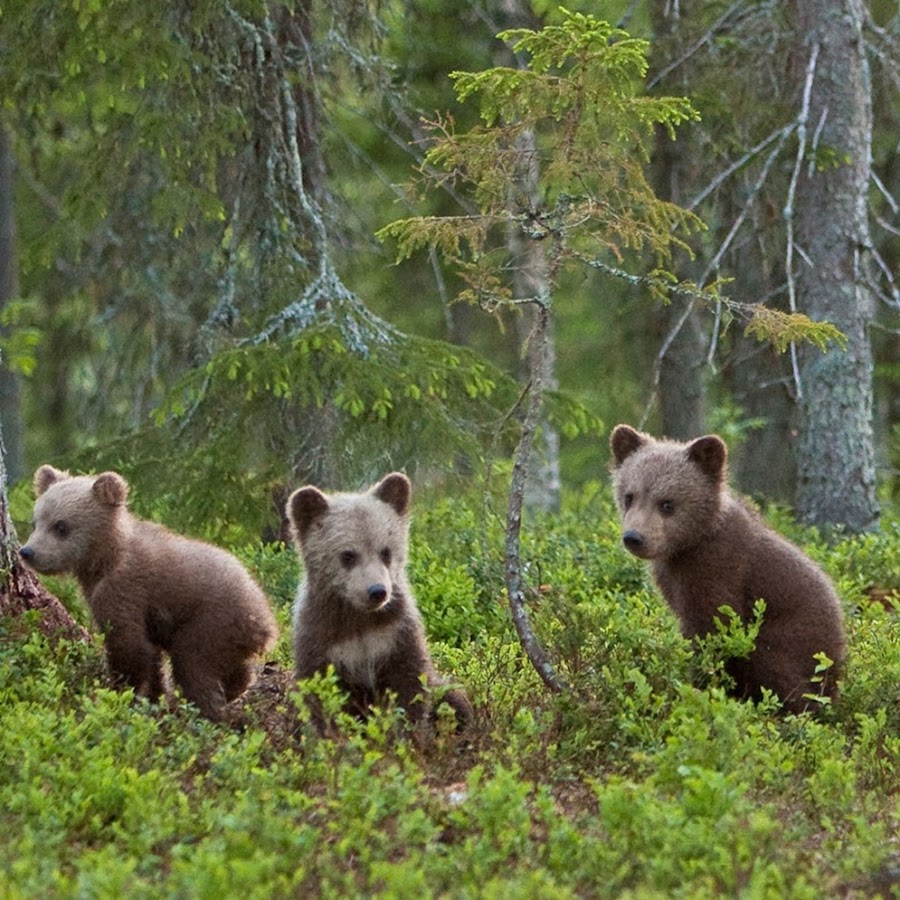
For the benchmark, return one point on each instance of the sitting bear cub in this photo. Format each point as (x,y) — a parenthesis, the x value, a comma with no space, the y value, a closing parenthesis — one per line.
(709,550)
(355,609)
(151,591)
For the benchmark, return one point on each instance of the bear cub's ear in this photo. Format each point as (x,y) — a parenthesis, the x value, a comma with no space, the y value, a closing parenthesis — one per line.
(46,476)
(624,441)
(395,490)
(304,506)
(710,455)
(111,489)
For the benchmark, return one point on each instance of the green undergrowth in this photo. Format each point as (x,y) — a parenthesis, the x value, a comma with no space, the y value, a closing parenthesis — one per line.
(643,779)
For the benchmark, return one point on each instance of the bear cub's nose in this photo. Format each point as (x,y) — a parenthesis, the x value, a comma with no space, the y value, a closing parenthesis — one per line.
(27,553)
(377,593)
(633,540)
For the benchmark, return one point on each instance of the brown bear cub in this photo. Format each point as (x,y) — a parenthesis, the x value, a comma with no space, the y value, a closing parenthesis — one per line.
(355,609)
(709,550)
(150,591)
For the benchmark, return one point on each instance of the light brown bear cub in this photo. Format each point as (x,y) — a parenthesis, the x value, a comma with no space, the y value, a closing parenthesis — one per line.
(150,591)
(355,609)
(709,550)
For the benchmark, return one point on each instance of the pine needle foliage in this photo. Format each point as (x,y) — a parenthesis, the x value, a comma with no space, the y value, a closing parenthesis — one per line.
(258,419)
(783,329)
(581,97)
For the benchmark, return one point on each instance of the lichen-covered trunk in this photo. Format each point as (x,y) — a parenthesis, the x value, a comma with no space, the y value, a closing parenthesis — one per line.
(531,278)
(835,448)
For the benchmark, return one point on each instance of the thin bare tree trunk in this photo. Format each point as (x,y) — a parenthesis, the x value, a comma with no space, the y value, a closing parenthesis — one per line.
(831,246)
(681,362)
(512,558)
(760,378)
(535,482)
(20,589)
(10,415)
(531,278)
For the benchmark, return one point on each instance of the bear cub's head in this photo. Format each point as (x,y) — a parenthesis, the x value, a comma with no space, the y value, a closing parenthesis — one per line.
(669,494)
(354,545)
(74,519)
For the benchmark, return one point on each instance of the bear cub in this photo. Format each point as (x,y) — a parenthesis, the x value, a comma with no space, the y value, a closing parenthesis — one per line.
(355,609)
(151,591)
(709,549)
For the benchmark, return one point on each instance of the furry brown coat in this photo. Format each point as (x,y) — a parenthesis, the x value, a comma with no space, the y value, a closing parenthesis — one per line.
(151,591)
(355,609)
(709,549)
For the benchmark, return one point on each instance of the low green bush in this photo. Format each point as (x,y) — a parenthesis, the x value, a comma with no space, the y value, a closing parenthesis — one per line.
(642,779)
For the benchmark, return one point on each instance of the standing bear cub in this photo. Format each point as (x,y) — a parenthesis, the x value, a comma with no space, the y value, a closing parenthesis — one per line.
(355,609)
(151,591)
(709,550)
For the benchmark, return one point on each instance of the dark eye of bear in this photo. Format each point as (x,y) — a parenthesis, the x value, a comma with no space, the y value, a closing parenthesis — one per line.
(348,558)
(667,507)
(386,556)
(60,528)
(629,499)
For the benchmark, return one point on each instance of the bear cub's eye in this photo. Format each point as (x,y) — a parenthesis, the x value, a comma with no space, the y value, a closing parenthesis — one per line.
(386,556)
(667,507)
(629,499)
(60,528)
(349,558)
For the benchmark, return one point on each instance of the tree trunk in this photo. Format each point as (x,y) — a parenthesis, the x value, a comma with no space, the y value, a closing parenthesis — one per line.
(512,559)
(681,390)
(10,416)
(764,463)
(760,378)
(531,278)
(835,450)
(20,589)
